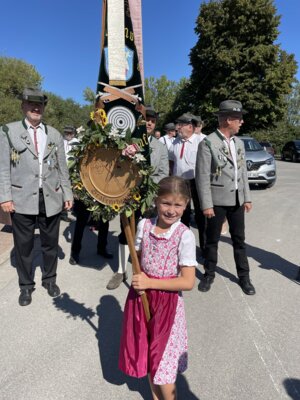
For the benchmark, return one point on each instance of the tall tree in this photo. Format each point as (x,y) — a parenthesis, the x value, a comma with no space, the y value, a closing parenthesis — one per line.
(237,57)
(293,115)
(14,76)
(161,93)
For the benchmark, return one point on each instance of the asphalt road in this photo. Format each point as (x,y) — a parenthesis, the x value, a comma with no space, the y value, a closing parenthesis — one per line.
(240,347)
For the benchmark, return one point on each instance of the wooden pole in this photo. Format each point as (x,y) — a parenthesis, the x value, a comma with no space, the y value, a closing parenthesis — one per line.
(136,269)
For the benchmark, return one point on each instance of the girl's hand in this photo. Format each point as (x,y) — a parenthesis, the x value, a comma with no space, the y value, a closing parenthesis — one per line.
(140,282)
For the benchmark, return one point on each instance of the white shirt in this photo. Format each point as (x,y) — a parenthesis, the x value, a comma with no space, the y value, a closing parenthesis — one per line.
(187,244)
(68,145)
(185,167)
(230,144)
(167,140)
(41,137)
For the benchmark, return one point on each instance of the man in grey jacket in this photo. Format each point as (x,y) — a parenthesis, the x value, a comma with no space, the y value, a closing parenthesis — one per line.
(222,185)
(34,187)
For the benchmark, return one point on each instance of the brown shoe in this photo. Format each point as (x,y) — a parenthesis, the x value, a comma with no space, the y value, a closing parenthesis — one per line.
(116,280)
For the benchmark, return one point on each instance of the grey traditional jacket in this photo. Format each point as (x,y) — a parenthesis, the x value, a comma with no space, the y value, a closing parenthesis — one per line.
(159,160)
(19,170)
(215,175)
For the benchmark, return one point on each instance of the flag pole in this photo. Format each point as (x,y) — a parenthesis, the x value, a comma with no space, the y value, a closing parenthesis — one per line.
(136,269)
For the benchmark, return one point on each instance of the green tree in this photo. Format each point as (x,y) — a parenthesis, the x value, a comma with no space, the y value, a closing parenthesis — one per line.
(14,76)
(237,57)
(61,112)
(160,93)
(293,102)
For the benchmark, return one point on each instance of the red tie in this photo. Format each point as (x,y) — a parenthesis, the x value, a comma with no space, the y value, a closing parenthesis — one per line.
(35,140)
(182,150)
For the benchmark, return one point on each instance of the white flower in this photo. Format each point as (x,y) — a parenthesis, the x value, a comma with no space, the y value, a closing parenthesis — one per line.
(80,129)
(139,158)
(114,133)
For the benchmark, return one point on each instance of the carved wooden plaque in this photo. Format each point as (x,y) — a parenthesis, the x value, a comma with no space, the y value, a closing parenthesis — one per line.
(106,177)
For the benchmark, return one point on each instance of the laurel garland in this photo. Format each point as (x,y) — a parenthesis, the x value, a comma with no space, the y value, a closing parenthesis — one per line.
(102,134)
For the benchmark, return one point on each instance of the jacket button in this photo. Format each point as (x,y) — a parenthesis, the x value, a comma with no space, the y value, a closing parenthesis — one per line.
(34,193)
(36,176)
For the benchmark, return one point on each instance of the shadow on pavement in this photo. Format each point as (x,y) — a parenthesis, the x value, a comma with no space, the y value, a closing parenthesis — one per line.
(37,254)
(108,332)
(292,387)
(270,261)
(88,257)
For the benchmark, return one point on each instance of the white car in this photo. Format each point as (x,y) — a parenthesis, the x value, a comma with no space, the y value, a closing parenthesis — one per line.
(261,165)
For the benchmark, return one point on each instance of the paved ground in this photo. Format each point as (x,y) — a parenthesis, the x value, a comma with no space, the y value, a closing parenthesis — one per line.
(240,347)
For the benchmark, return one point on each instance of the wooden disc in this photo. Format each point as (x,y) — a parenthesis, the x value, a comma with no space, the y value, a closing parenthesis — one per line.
(106,177)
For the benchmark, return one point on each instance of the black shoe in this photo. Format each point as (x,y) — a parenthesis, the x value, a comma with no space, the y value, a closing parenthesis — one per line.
(25,297)
(66,218)
(247,286)
(52,288)
(205,283)
(104,253)
(74,259)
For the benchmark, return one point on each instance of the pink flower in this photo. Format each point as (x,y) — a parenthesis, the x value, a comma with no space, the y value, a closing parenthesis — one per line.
(130,150)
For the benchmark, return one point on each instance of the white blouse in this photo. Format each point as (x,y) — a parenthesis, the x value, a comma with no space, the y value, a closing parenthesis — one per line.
(187,244)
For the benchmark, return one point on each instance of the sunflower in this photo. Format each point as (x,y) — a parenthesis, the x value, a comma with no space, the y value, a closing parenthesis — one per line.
(137,196)
(101,112)
(104,121)
(116,207)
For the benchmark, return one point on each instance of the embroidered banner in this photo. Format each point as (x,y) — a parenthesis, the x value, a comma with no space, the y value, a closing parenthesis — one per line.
(120,90)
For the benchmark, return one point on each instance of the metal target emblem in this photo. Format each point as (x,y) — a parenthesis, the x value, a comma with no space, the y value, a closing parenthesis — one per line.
(121,118)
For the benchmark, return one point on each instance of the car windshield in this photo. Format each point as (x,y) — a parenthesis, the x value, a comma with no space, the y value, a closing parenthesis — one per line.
(251,145)
(297,144)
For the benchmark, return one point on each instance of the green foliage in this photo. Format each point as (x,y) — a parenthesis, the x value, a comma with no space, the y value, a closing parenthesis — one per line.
(293,101)
(14,76)
(237,57)
(89,95)
(161,93)
(60,112)
(278,135)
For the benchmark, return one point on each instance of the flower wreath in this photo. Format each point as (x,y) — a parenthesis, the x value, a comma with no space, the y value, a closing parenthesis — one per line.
(102,134)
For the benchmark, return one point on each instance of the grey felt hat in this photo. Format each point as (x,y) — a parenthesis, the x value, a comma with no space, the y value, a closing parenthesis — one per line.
(34,96)
(170,127)
(230,107)
(150,112)
(69,129)
(187,118)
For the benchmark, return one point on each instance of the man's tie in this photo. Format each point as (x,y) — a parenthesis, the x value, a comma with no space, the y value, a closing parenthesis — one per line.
(182,150)
(35,139)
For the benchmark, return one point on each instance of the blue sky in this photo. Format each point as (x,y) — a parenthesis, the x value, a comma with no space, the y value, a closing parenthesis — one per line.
(62,38)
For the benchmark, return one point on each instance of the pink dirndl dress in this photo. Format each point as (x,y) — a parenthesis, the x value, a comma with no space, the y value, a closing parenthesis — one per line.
(158,347)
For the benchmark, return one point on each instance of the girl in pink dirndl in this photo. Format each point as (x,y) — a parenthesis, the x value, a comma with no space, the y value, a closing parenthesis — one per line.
(167,253)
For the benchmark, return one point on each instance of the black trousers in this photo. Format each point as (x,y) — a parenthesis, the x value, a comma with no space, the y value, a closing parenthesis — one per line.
(82,217)
(199,217)
(23,227)
(236,221)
